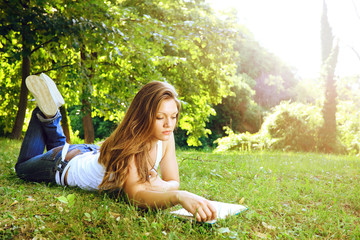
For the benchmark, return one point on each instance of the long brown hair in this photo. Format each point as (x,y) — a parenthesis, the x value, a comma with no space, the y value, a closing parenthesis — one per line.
(131,137)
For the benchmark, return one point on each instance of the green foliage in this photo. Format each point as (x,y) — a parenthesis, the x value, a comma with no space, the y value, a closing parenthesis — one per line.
(274,79)
(309,91)
(103,128)
(183,43)
(290,127)
(69,199)
(204,66)
(347,115)
(293,127)
(240,142)
(296,127)
(101,53)
(9,92)
(349,90)
(262,80)
(348,126)
(238,111)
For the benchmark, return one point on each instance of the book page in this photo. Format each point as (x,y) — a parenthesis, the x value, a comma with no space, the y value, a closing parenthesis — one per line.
(223,210)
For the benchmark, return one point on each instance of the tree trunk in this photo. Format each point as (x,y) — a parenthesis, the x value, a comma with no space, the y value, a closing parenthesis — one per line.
(328,130)
(20,116)
(329,55)
(65,123)
(89,133)
(25,72)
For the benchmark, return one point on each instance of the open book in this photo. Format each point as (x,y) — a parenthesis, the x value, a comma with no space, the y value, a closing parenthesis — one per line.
(223,210)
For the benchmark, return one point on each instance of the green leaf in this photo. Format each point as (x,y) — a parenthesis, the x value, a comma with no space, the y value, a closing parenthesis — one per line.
(63,199)
(71,199)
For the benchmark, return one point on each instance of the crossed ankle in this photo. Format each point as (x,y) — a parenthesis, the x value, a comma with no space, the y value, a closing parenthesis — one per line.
(46,119)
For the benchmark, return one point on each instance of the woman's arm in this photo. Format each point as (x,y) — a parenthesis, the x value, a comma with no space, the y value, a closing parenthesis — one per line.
(169,170)
(168,166)
(158,184)
(195,204)
(141,195)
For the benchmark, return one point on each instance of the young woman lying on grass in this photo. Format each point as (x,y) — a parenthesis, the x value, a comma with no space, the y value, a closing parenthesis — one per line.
(128,160)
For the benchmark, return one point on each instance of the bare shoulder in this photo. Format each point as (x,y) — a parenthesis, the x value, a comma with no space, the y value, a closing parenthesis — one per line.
(168,165)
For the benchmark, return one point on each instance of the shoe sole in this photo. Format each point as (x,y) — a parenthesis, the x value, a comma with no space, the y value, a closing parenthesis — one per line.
(40,89)
(59,99)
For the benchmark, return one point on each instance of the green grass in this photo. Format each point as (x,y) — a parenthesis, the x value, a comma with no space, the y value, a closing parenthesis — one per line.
(289,196)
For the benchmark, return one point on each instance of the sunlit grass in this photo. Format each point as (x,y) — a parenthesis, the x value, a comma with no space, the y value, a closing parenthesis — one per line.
(291,196)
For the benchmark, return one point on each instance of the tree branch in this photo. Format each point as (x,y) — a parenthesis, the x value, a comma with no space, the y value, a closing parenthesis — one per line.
(356,53)
(43,44)
(51,69)
(355,8)
(108,64)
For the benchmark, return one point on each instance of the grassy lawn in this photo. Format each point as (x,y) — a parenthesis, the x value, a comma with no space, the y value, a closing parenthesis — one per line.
(289,196)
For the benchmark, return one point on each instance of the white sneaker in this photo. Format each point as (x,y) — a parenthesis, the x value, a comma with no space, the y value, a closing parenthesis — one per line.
(46,94)
(54,89)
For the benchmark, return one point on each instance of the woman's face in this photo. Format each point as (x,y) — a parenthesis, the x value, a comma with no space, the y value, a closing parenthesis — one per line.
(165,120)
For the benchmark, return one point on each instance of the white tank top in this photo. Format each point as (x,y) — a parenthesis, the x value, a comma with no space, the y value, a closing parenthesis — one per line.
(86,172)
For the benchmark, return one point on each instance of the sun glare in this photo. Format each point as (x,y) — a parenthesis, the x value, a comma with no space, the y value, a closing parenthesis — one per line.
(291,30)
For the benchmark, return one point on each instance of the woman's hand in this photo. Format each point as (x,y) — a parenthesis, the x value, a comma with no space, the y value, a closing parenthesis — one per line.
(198,206)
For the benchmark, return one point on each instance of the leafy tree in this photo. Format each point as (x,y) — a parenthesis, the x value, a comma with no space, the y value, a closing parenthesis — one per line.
(262,81)
(49,32)
(289,127)
(239,112)
(348,89)
(348,126)
(26,27)
(274,79)
(82,50)
(103,128)
(8,89)
(112,48)
(195,55)
(347,114)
